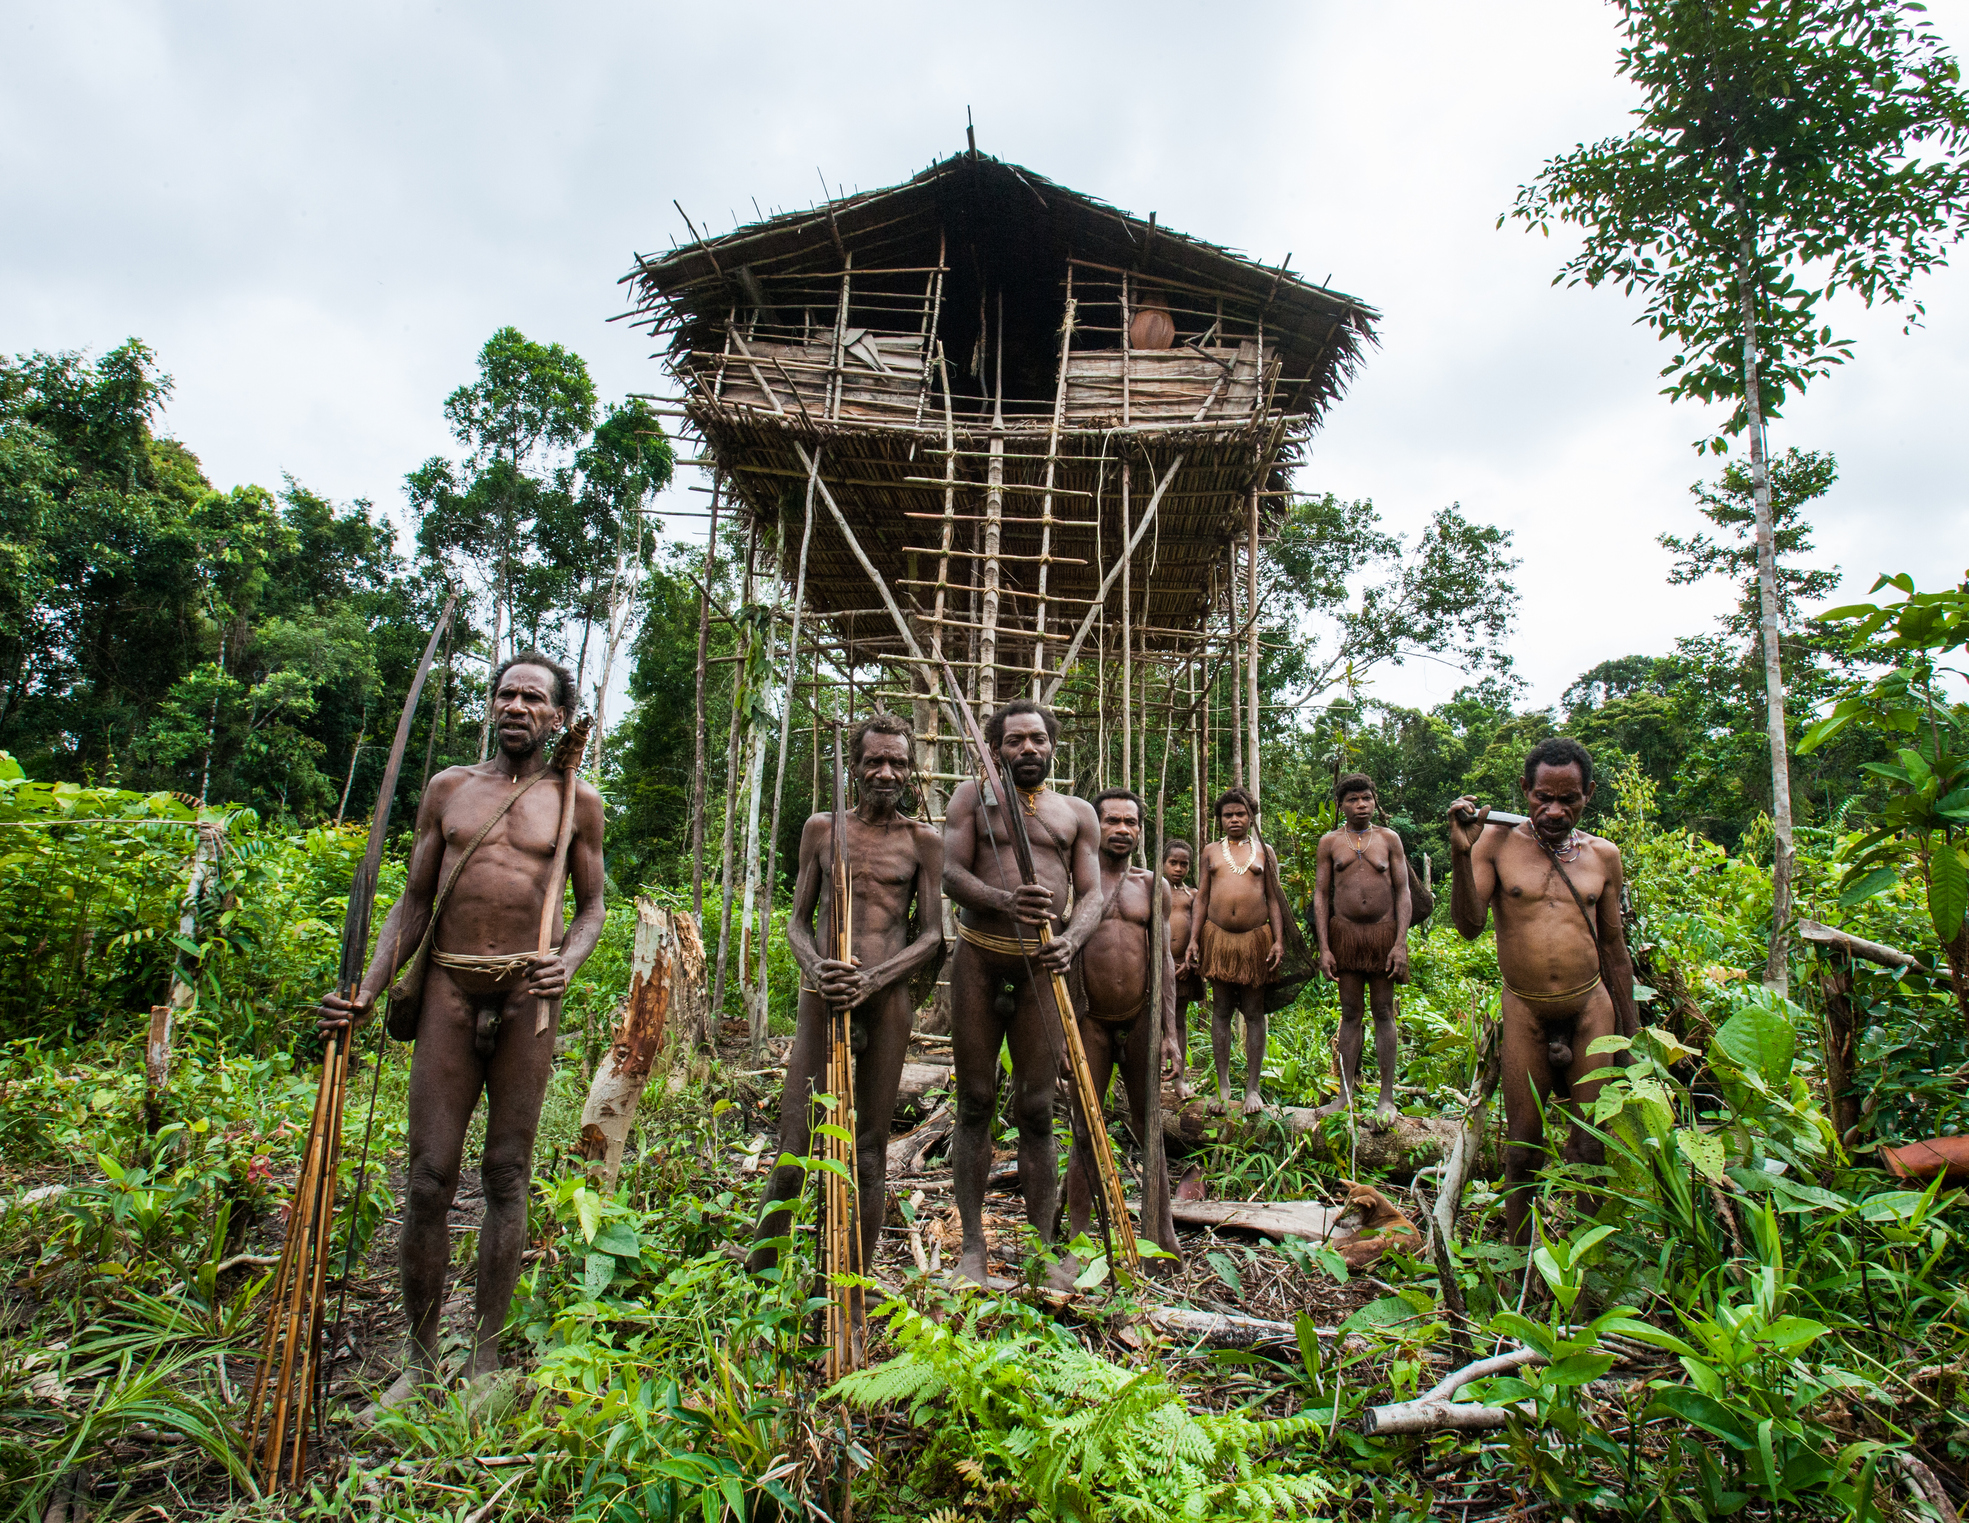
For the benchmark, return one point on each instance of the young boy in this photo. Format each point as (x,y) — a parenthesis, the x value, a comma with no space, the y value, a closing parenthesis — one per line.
(1361,912)
(1189,985)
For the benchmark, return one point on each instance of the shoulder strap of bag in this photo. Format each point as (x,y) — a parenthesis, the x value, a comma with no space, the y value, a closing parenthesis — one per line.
(1592,925)
(451,878)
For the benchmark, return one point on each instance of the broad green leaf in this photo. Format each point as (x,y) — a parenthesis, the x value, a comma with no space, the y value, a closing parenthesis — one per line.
(1948,891)
(838,1133)
(1758,1040)
(1891,1206)
(1648,1333)
(1577,1369)
(1704,1150)
(1389,1311)
(1867,886)
(1794,1332)
(588,1209)
(1671,1047)
(597,1272)
(1095,1274)
(618,1238)
(1706,1413)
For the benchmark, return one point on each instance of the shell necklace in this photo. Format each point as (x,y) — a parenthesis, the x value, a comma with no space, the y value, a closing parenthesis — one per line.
(1235,869)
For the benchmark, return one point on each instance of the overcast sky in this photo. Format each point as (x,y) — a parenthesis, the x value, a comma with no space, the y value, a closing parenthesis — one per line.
(317,215)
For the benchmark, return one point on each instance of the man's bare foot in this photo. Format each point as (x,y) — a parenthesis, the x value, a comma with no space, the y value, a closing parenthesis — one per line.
(1221,1104)
(1062,1272)
(490,1394)
(1332,1107)
(971,1265)
(414,1384)
(1385,1113)
(1253,1106)
(1184,1094)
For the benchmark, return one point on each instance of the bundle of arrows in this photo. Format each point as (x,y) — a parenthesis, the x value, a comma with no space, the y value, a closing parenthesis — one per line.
(293,1349)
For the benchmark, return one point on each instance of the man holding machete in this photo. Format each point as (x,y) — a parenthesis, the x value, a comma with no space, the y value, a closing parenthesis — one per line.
(1561,952)
(486,847)
(999,956)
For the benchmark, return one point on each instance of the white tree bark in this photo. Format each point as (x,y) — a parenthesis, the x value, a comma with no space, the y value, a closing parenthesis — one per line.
(755,768)
(666,978)
(1776,970)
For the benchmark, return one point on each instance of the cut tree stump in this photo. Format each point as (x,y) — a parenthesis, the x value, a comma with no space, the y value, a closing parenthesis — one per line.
(663,976)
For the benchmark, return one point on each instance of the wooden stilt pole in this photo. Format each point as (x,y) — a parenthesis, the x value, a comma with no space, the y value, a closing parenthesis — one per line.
(1237,687)
(761,1008)
(700,782)
(717,1006)
(1127,633)
(1251,637)
(994,520)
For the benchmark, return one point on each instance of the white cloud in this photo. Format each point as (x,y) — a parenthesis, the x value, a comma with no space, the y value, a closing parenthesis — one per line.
(317,216)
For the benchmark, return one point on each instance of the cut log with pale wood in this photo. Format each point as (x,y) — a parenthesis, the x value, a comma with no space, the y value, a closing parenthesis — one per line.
(660,980)
(920,1081)
(1275,1219)
(908,1152)
(1224,1330)
(1853,946)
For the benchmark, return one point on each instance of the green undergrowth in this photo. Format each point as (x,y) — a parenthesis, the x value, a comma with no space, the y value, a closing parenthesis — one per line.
(1747,1318)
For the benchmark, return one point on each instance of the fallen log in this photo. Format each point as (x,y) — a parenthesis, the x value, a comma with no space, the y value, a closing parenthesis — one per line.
(908,1152)
(1224,1330)
(1923,1160)
(919,1082)
(1854,946)
(1436,1410)
(1275,1219)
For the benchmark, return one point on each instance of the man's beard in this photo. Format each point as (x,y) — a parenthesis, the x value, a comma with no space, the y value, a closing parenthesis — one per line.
(1029,772)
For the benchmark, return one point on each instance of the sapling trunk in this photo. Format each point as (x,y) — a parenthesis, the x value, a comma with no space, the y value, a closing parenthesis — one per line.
(1776,969)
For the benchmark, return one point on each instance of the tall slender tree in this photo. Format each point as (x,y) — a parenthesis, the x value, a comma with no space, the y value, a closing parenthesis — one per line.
(1784,150)
(528,400)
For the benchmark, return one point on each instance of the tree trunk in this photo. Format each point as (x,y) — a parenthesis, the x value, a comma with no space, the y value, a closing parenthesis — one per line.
(755,776)
(663,976)
(1776,968)
(762,988)
(700,789)
(1841,1103)
(348,783)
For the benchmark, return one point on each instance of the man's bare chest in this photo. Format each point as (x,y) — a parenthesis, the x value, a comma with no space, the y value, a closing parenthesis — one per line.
(528,828)
(1527,878)
(882,857)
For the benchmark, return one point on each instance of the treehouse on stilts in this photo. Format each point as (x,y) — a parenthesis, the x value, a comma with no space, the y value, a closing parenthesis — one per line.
(981,418)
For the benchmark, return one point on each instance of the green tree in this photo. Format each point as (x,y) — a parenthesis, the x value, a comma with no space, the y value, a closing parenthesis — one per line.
(528,400)
(1926,814)
(1785,150)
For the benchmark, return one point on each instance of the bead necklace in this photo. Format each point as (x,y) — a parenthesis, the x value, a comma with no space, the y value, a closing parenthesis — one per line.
(1358,839)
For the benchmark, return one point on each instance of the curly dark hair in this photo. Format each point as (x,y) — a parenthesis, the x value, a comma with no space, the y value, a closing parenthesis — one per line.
(881,722)
(1559,751)
(1230,796)
(1129,794)
(994,729)
(1177,844)
(1352,783)
(565,696)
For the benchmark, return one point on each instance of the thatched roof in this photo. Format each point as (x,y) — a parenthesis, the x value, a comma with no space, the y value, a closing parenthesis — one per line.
(983,330)
(981,203)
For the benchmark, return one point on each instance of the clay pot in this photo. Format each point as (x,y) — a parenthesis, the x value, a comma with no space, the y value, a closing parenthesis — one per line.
(1947,1156)
(1152,327)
